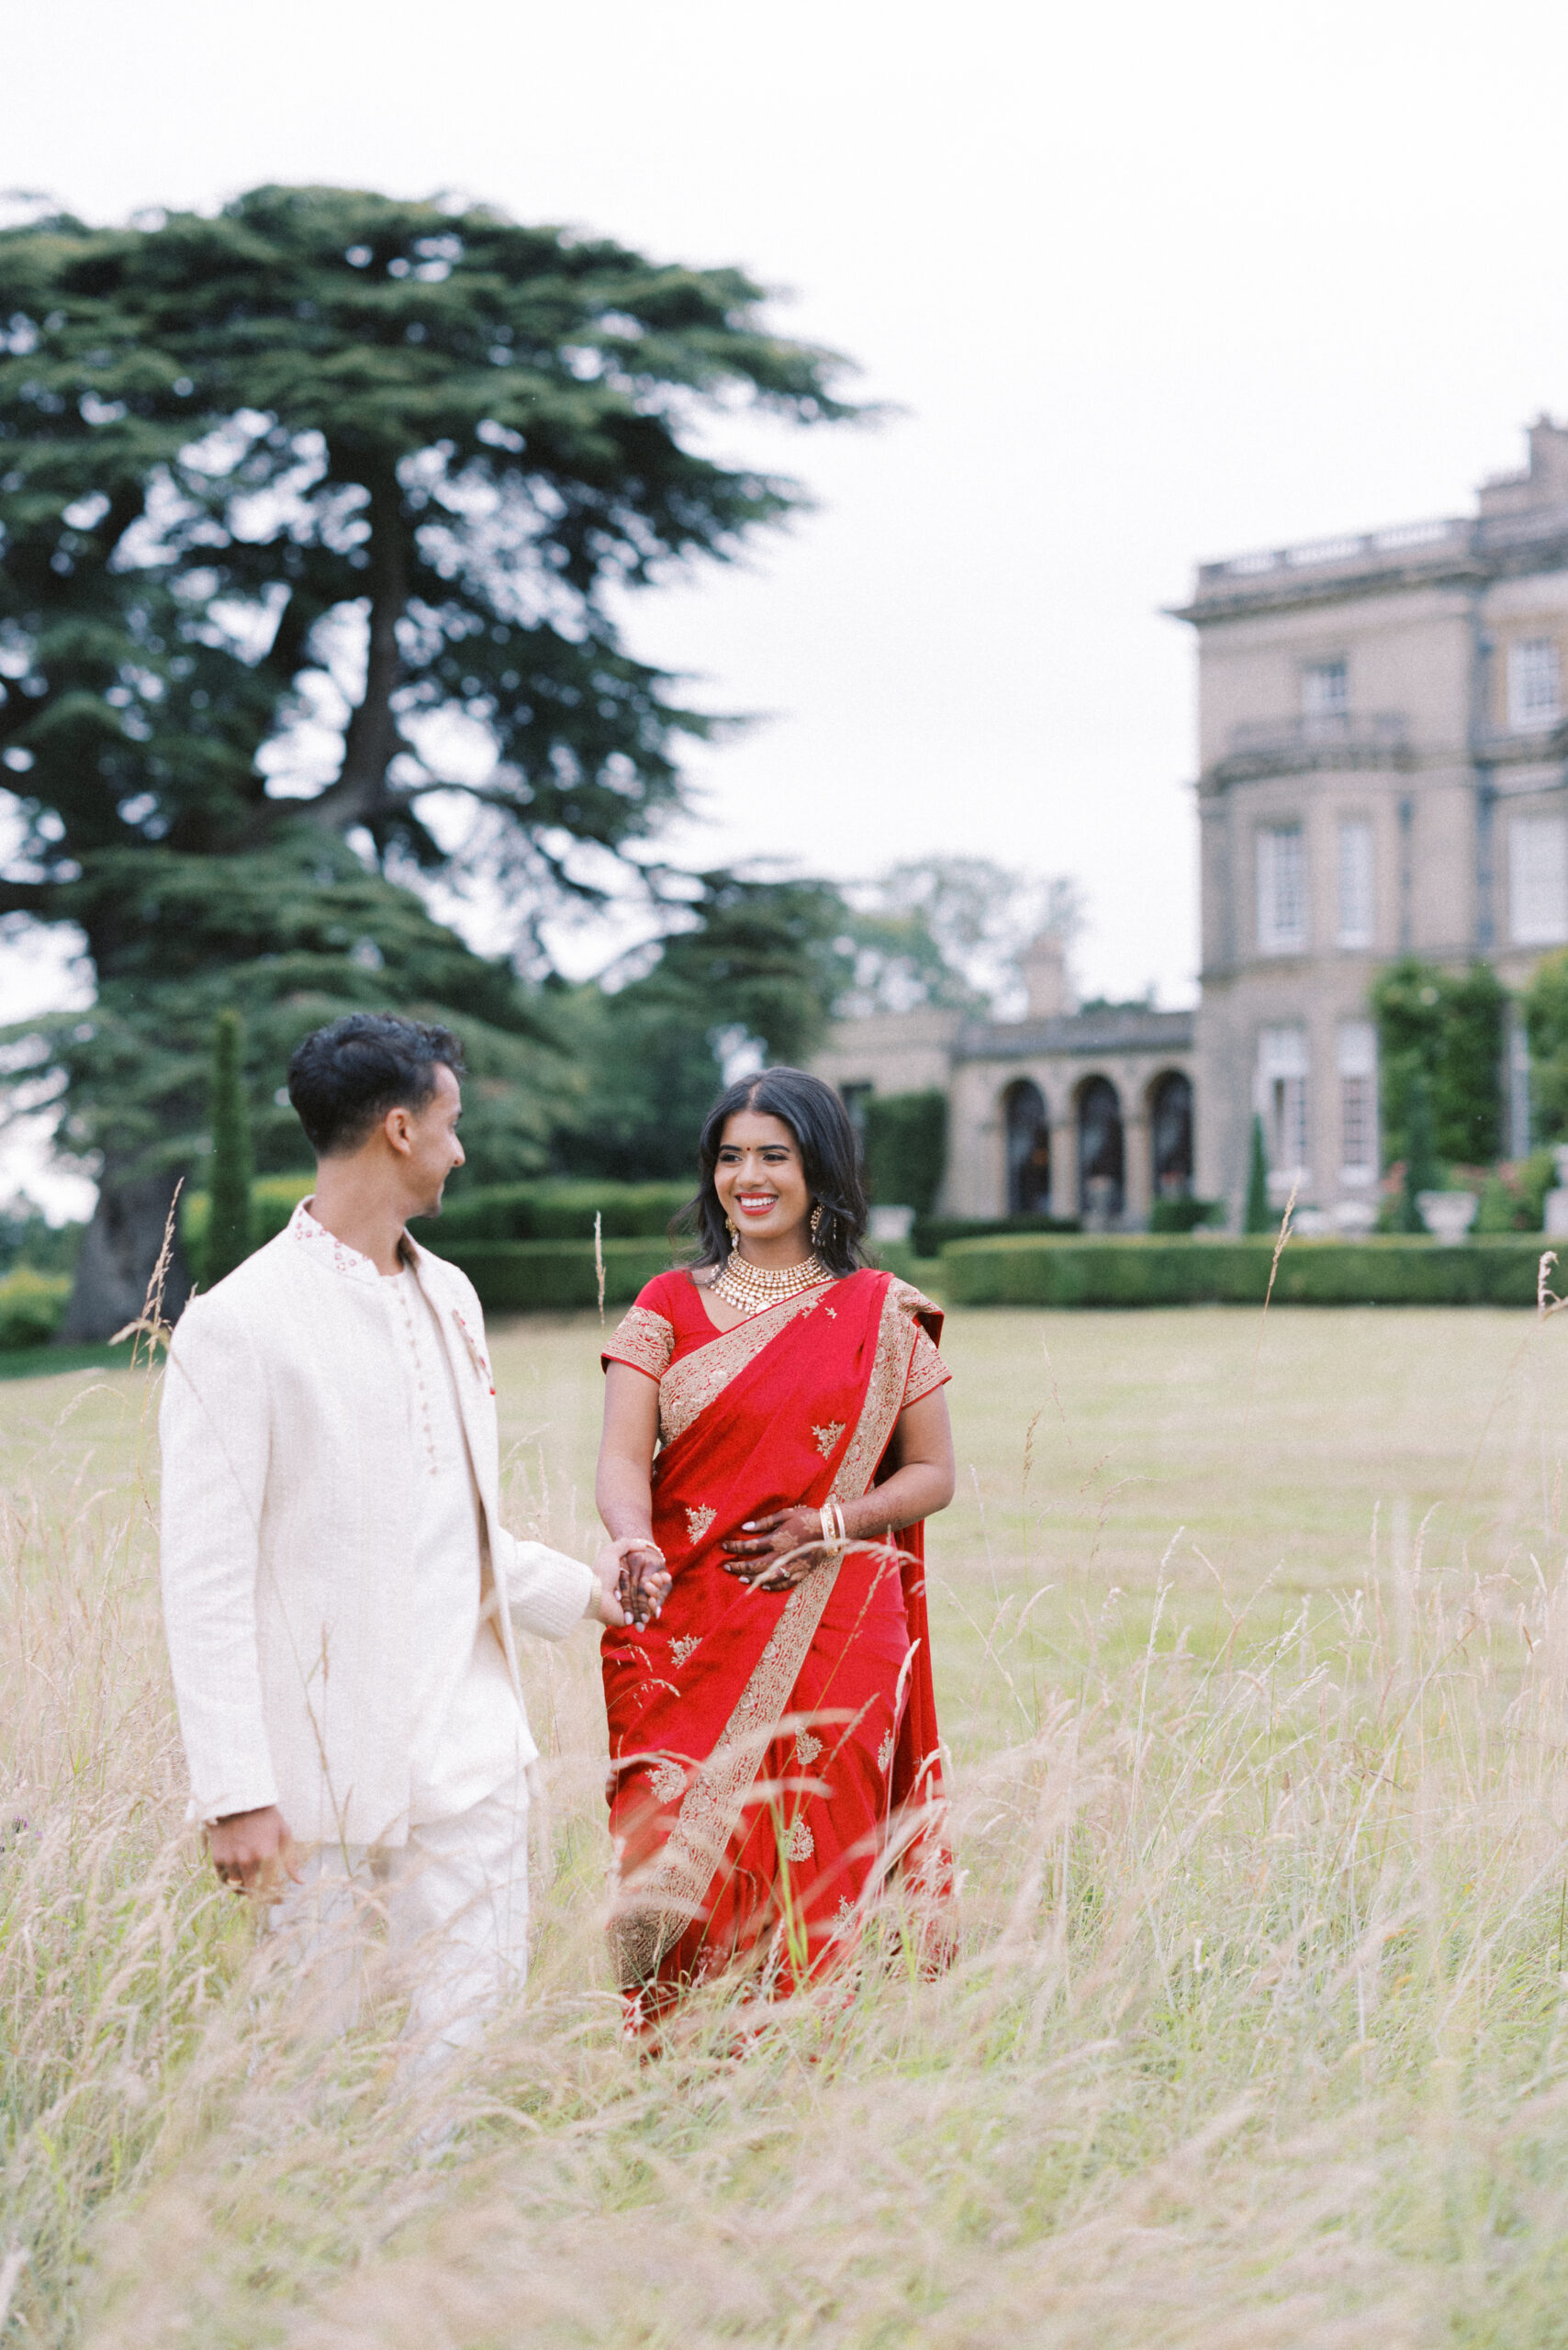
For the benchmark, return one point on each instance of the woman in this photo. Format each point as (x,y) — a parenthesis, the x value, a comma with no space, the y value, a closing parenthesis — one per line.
(773,1420)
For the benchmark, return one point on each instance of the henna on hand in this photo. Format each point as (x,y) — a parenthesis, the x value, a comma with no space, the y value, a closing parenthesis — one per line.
(785,1547)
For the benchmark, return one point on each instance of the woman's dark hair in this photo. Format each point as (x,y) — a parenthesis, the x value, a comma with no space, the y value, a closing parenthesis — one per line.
(829,1154)
(344,1077)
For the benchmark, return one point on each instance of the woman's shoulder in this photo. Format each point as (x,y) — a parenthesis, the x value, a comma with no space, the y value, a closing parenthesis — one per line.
(900,1296)
(914,1305)
(673,1294)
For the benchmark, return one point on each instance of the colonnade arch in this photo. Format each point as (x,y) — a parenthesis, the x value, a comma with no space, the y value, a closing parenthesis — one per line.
(1171,1135)
(1026,1126)
(1102,1155)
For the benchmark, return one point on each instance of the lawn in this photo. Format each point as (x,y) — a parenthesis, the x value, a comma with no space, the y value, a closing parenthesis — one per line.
(1251,1644)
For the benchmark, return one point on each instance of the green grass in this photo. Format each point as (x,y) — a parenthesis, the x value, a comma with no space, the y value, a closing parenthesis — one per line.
(1252,1651)
(48,1362)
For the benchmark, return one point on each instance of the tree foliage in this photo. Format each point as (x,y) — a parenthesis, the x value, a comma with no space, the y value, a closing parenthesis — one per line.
(315,515)
(1546,1028)
(950,932)
(907,1148)
(759,968)
(1440,1060)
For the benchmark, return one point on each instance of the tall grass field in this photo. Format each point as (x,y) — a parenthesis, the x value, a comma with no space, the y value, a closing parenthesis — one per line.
(1251,1647)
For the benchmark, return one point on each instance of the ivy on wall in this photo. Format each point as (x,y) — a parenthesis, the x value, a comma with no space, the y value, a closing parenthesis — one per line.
(1440,1058)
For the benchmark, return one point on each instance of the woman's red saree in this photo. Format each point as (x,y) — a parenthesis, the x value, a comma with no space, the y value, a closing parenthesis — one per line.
(774,1755)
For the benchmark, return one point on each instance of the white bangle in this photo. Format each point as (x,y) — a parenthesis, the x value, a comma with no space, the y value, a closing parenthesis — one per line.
(825,1519)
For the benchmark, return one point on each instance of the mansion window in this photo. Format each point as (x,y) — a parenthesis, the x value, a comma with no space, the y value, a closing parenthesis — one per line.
(1538,881)
(1282,890)
(1282,1090)
(1324,696)
(1535,683)
(1357,902)
(1356,1057)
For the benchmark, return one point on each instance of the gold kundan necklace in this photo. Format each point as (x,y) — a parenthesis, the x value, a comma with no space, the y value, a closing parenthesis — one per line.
(754,1288)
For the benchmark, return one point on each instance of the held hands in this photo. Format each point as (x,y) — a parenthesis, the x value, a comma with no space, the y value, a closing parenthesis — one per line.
(252,1851)
(783,1548)
(632,1581)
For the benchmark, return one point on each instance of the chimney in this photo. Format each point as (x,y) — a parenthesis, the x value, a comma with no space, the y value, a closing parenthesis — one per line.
(1544,481)
(1045,977)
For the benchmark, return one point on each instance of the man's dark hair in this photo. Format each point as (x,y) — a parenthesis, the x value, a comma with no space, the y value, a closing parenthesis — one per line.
(344,1077)
(829,1156)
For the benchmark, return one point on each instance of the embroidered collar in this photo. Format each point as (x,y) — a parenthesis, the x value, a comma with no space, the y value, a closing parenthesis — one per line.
(336,1254)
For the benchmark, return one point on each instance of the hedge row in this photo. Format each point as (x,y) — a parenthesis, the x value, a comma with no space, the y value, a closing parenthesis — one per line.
(931,1234)
(552,1276)
(31,1306)
(1020,1271)
(539,1210)
(559,1211)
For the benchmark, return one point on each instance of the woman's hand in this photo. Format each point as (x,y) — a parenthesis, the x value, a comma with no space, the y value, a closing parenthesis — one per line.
(783,1548)
(627,1593)
(644,1581)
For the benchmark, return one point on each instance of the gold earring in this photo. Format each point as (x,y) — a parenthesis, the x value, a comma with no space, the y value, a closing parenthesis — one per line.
(816,1220)
(730,1225)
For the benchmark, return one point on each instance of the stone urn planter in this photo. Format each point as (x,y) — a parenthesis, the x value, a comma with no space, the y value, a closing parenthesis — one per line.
(1448,1215)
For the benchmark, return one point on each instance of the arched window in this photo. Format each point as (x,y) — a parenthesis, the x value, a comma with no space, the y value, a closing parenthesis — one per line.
(1029,1149)
(1101,1186)
(1171,1135)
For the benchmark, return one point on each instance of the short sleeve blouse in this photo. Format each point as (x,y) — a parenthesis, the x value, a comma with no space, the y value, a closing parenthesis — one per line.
(670,1320)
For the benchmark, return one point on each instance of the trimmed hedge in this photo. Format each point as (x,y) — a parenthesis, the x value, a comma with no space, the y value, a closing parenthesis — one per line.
(931,1234)
(559,1211)
(1021,1270)
(32,1307)
(555,1276)
(558,1276)
(496,1212)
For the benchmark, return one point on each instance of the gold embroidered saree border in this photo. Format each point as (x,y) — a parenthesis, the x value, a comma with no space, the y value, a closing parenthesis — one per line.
(656,1907)
(700,1378)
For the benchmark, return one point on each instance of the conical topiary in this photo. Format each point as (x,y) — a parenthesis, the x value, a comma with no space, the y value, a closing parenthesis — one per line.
(1420,1154)
(228,1182)
(1259,1216)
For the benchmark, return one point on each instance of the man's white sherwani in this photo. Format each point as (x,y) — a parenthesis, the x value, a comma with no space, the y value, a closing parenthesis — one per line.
(339,1590)
(295,1479)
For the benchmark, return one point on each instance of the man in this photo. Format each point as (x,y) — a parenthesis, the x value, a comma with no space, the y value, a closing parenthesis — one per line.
(340,1593)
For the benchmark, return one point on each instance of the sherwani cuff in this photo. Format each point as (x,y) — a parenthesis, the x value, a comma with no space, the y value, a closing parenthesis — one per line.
(547,1593)
(207,1808)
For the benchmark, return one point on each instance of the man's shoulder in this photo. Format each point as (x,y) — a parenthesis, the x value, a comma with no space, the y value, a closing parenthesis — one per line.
(248,1299)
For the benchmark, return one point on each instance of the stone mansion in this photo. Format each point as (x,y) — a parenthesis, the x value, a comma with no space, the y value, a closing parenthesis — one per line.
(1382,761)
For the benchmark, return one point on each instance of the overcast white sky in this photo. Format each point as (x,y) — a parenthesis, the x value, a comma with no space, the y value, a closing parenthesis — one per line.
(1149,284)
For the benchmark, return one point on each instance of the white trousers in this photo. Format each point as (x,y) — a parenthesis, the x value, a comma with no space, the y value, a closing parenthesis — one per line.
(443,1918)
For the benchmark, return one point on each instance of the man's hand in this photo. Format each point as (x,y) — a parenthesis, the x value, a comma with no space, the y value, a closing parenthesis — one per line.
(251,1850)
(633,1582)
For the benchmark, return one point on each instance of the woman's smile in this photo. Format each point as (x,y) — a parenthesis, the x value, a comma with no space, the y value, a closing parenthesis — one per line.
(757,1203)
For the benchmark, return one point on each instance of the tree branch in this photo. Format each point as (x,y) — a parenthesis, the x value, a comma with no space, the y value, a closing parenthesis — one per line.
(360,794)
